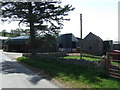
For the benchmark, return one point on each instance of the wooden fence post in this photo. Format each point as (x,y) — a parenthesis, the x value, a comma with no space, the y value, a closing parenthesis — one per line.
(107,62)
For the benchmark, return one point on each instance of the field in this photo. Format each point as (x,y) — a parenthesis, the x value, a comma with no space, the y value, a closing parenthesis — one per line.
(84,57)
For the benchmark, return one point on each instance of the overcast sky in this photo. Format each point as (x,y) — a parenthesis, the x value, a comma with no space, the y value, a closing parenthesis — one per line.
(99,17)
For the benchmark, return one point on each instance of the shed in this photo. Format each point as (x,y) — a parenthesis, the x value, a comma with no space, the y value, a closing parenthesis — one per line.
(67,42)
(116,45)
(17,44)
(107,46)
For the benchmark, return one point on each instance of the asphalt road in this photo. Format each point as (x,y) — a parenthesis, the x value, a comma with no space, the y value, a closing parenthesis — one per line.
(15,75)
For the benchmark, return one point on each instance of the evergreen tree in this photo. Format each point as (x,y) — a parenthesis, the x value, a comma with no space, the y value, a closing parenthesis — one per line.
(42,17)
(4,32)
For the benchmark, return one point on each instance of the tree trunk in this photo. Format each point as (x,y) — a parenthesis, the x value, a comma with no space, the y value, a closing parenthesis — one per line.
(32,31)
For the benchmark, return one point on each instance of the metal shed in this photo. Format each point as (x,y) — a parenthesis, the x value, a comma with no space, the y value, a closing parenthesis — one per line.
(17,44)
(67,42)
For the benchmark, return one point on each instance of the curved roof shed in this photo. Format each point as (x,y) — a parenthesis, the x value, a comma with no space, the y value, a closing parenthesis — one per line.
(17,40)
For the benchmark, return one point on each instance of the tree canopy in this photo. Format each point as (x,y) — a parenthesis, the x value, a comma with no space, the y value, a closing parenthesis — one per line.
(47,16)
(42,17)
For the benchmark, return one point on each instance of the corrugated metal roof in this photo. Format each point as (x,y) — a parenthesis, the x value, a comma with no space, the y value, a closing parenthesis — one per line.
(20,37)
(74,39)
(17,40)
(116,42)
(95,36)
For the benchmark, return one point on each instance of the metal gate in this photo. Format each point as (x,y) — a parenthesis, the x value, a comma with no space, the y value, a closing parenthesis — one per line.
(112,65)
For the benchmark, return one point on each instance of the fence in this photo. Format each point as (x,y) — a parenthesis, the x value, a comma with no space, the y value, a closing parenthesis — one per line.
(112,64)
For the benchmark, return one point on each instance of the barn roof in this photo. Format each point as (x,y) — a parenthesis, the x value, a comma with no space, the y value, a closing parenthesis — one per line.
(17,40)
(74,39)
(3,38)
(116,42)
(93,36)
(20,37)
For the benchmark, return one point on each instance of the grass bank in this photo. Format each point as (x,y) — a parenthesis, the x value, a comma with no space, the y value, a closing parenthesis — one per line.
(73,75)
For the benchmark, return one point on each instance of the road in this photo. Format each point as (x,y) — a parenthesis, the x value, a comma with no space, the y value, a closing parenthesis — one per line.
(15,75)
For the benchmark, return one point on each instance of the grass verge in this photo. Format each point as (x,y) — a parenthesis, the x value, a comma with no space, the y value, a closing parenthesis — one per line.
(73,75)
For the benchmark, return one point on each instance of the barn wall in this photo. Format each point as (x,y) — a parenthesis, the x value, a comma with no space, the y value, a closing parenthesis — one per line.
(93,45)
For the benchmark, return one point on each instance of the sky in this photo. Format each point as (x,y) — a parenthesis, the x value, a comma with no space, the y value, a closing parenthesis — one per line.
(99,17)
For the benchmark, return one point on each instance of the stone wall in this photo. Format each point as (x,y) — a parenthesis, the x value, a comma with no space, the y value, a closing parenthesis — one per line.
(58,57)
(90,64)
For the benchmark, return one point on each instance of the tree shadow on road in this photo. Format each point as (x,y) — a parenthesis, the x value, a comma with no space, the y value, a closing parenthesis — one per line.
(12,67)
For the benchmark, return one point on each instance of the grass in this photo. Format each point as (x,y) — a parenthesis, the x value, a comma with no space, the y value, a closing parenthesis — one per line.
(84,57)
(116,63)
(73,75)
(89,58)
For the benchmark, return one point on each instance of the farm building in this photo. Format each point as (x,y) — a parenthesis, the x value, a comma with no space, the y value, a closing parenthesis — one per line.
(107,46)
(68,42)
(20,44)
(116,45)
(93,44)
(79,44)
(17,44)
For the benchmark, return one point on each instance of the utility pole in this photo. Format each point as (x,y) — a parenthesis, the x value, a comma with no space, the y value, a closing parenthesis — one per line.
(81,36)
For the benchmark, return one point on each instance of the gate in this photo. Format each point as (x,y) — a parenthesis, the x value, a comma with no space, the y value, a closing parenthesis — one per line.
(112,65)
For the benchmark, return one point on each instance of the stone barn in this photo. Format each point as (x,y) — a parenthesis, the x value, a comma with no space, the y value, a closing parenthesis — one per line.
(93,44)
